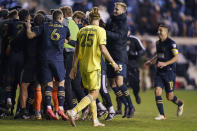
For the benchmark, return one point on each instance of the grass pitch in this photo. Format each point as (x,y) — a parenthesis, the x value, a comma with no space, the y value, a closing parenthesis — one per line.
(143,119)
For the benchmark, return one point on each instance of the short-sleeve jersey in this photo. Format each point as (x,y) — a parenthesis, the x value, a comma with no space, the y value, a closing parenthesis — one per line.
(166,50)
(54,35)
(89,38)
(17,35)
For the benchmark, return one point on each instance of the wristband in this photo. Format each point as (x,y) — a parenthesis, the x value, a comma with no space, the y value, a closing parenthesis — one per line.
(112,63)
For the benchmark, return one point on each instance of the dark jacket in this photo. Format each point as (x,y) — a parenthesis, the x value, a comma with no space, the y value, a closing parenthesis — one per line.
(117,29)
(135,49)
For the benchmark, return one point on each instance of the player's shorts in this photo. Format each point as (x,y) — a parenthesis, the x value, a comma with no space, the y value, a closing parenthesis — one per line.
(52,69)
(91,80)
(122,70)
(30,71)
(165,80)
(15,66)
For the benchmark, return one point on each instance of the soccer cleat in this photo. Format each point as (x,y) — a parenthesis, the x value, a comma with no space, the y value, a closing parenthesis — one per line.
(76,117)
(51,114)
(64,116)
(180,109)
(131,112)
(101,113)
(160,117)
(119,112)
(71,117)
(38,116)
(9,106)
(22,115)
(96,124)
(126,112)
(56,114)
(138,100)
(110,116)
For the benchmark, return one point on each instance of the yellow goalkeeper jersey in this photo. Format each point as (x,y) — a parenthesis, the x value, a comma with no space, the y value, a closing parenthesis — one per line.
(89,38)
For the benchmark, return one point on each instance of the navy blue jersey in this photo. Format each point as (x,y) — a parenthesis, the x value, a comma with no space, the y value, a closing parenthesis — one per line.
(166,51)
(54,35)
(17,35)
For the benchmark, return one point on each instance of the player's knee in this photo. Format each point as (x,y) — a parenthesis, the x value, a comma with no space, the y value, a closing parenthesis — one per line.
(50,84)
(169,97)
(94,94)
(61,83)
(158,91)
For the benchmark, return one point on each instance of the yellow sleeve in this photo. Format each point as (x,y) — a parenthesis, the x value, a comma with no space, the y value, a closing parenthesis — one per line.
(102,37)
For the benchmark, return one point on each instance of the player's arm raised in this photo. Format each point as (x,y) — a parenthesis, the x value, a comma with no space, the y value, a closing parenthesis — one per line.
(30,34)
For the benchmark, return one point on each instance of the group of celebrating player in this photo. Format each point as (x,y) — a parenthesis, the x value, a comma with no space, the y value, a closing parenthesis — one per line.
(66,56)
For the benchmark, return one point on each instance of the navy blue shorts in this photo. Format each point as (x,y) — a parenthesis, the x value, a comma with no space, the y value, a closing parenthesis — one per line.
(112,74)
(30,71)
(165,80)
(15,66)
(52,69)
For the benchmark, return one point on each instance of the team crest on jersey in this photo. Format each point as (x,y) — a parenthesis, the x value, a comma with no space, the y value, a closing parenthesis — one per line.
(174,45)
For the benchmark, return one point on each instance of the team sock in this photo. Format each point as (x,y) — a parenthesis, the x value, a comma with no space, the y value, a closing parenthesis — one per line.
(176,101)
(159,103)
(61,95)
(120,96)
(126,95)
(93,109)
(38,99)
(48,94)
(55,99)
(83,103)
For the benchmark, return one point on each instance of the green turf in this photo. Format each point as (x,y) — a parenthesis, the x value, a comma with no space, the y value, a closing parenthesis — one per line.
(142,121)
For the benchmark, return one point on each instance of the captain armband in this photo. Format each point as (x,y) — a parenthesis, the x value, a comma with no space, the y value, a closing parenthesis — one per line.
(175,51)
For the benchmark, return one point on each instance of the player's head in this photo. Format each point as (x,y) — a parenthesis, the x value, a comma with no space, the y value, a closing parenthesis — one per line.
(24,15)
(163,31)
(119,8)
(51,11)
(4,13)
(58,15)
(94,15)
(39,19)
(78,17)
(13,14)
(41,12)
(67,11)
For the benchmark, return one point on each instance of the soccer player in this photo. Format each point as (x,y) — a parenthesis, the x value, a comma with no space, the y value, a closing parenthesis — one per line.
(167,55)
(91,43)
(71,86)
(54,35)
(17,40)
(31,68)
(117,30)
(135,49)
(78,17)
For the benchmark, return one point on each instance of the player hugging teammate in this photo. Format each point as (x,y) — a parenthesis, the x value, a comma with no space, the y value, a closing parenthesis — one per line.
(66,56)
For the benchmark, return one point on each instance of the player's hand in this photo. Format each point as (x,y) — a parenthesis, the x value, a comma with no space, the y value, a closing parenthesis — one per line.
(116,67)
(161,64)
(66,41)
(147,63)
(73,73)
